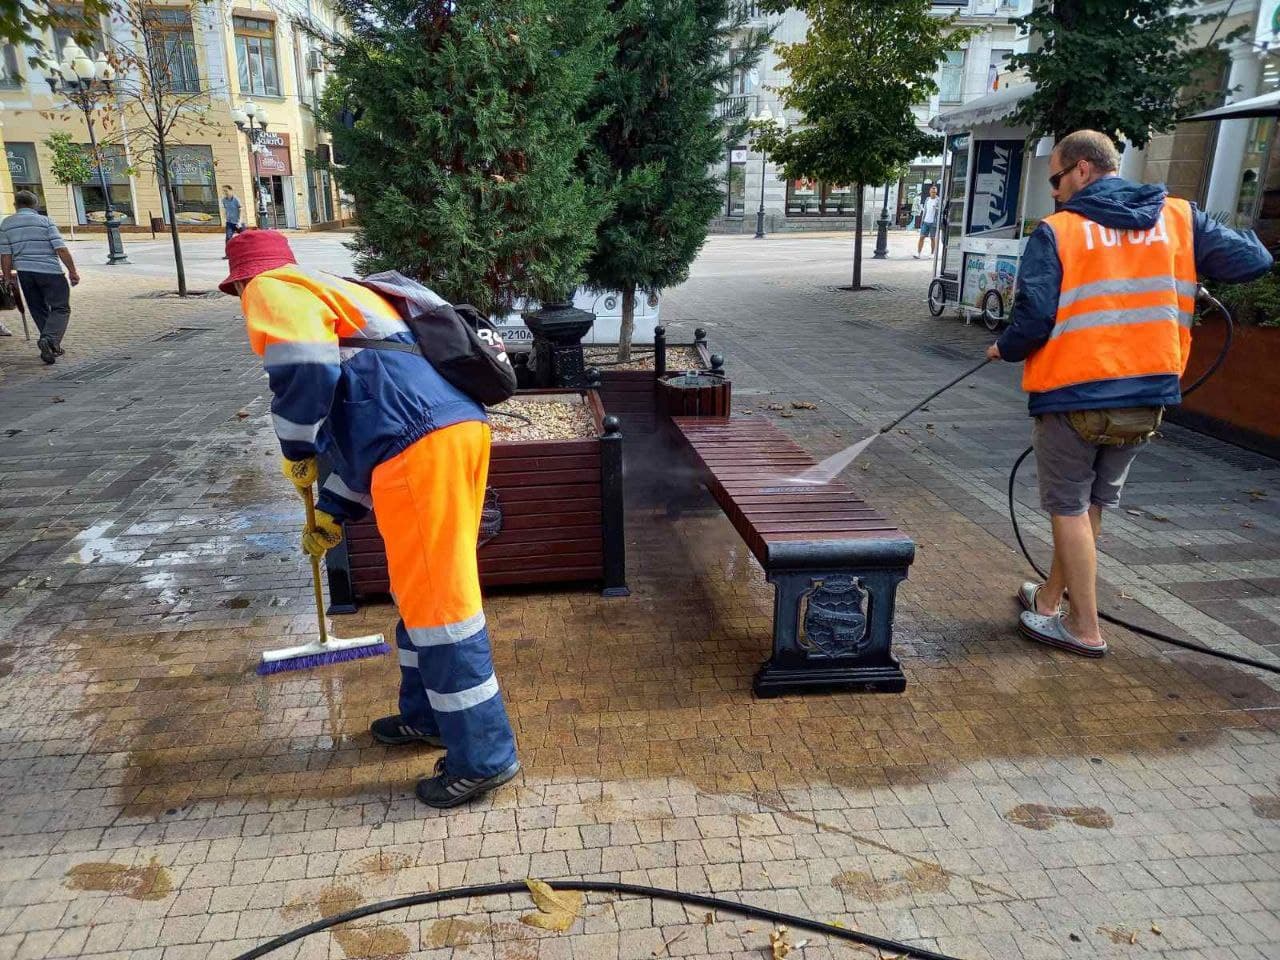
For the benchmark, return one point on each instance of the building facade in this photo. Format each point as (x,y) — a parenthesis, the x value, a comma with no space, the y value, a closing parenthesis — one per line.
(221,53)
(967,72)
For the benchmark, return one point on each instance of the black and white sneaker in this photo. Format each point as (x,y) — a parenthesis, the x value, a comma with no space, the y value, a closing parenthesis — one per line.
(445,790)
(394,732)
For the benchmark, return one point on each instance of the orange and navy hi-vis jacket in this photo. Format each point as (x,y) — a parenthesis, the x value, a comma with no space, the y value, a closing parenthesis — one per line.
(353,407)
(1125,301)
(1105,295)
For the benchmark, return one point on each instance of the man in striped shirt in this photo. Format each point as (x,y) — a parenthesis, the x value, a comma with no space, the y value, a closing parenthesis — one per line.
(31,245)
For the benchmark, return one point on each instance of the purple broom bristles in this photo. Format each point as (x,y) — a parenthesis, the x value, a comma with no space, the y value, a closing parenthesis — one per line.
(321,659)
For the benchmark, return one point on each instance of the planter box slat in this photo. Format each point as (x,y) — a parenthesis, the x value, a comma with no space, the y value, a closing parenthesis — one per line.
(584,561)
(558,494)
(501,466)
(520,578)
(543,534)
(536,478)
(541,548)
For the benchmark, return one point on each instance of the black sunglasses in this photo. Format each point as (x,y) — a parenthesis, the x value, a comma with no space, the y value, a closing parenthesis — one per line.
(1056,178)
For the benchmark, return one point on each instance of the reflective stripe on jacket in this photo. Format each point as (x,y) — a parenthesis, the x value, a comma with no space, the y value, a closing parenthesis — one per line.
(1125,301)
(354,407)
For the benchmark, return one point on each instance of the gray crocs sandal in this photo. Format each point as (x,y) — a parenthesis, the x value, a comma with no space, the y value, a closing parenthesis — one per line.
(1027,596)
(1053,631)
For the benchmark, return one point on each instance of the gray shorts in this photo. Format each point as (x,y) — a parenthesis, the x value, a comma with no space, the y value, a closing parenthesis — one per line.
(1075,473)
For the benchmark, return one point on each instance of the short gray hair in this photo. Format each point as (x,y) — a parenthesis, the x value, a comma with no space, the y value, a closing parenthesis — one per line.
(1089,145)
(26,200)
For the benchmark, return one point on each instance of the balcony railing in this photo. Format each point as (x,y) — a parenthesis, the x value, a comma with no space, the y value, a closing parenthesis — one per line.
(735,107)
(750,11)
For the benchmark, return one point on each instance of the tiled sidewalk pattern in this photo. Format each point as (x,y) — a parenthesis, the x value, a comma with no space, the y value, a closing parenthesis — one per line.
(161,802)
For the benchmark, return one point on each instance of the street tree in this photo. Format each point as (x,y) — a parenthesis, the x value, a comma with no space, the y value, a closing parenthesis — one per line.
(26,21)
(654,155)
(163,101)
(70,166)
(1137,60)
(853,80)
(460,126)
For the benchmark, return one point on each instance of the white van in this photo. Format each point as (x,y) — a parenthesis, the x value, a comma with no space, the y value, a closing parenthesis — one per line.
(606,305)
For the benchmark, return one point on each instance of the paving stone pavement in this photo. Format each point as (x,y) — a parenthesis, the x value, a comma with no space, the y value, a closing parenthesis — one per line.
(160,801)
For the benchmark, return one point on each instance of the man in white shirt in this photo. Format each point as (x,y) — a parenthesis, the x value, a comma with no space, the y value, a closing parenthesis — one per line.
(929,223)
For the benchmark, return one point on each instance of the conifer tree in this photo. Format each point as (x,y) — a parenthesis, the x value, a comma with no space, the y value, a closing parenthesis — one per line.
(459,127)
(654,156)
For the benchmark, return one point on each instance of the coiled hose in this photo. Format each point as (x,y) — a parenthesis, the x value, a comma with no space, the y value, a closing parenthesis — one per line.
(1203,295)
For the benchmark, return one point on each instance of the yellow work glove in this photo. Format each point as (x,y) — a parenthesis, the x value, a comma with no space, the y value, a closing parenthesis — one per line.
(301,473)
(323,537)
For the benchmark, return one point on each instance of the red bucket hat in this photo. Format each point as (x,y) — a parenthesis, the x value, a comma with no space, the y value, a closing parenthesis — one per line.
(254,252)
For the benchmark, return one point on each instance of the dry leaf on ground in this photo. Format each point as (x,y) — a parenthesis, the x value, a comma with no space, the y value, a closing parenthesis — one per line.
(803,405)
(557,909)
(778,943)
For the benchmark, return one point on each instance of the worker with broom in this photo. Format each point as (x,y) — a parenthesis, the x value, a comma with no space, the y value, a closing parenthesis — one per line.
(407,443)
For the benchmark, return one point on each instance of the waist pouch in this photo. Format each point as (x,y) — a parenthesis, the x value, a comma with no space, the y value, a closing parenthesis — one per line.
(1116,426)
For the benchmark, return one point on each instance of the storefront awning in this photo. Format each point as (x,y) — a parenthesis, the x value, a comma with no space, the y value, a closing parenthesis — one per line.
(1267,105)
(989,109)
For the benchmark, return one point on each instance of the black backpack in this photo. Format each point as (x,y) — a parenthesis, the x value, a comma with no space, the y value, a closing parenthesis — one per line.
(459,341)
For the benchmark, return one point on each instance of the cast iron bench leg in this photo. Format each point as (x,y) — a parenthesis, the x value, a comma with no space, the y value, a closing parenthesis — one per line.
(832,629)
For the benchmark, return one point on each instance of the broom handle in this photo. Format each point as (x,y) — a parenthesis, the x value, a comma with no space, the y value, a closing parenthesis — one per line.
(315,568)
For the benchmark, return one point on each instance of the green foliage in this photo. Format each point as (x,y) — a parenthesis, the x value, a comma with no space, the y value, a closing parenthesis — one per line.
(468,127)
(1120,66)
(654,154)
(1256,303)
(70,163)
(853,79)
(27,21)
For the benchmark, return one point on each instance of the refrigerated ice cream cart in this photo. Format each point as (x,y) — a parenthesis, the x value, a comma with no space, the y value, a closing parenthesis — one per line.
(995,192)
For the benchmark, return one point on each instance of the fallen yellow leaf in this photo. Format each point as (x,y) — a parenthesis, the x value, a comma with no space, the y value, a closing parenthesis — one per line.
(556,909)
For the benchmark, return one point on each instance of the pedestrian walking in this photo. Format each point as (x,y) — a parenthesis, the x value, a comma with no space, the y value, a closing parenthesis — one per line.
(929,223)
(409,444)
(230,214)
(32,248)
(1102,318)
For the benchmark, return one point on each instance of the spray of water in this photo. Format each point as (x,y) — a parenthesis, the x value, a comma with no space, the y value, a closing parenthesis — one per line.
(834,465)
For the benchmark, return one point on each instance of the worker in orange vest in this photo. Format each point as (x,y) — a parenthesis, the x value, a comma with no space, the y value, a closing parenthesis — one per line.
(1102,318)
(402,440)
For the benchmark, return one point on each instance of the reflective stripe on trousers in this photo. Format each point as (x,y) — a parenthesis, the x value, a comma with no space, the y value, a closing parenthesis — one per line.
(427,502)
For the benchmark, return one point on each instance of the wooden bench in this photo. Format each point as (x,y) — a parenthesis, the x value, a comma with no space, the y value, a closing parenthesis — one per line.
(835,562)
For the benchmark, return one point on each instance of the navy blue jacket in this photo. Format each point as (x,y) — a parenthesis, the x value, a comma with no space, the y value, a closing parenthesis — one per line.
(1223,254)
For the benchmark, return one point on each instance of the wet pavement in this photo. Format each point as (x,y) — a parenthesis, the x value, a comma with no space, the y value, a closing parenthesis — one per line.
(161,801)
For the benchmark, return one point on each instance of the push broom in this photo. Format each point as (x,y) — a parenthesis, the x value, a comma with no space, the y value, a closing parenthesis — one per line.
(327,649)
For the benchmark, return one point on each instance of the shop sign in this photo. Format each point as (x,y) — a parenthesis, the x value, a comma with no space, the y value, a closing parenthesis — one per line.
(273,156)
(997,169)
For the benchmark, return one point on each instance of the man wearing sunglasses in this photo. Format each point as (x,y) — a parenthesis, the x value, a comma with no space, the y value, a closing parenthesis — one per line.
(1102,318)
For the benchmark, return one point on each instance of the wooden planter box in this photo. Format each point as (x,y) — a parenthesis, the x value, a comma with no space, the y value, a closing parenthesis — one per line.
(1238,403)
(631,395)
(562,518)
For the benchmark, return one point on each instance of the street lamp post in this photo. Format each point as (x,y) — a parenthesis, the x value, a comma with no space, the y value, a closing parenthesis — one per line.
(251,120)
(84,82)
(766,118)
(882,229)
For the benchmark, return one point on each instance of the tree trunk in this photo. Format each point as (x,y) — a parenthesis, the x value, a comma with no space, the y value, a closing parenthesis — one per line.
(857,242)
(71,205)
(167,187)
(628,327)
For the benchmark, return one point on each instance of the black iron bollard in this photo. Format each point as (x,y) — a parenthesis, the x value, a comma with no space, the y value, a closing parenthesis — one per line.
(660,350)
(882,232)
(613,526)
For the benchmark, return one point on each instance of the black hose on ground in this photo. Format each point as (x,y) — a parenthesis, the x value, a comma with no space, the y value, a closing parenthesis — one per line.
(596,886)
(1111,618)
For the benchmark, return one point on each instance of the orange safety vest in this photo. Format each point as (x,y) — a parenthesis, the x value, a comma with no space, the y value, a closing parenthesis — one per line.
(1125,304)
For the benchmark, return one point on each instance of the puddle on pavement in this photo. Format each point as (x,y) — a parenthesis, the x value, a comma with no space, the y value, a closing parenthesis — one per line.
(358,940)
(1037,816)
(1268,808)
(90,545)
(919,878)
(383,864)
(137,883)
(513,942)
